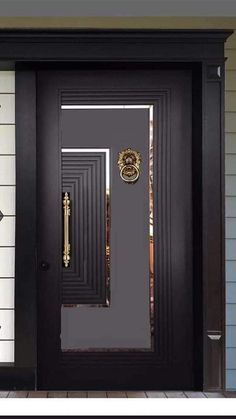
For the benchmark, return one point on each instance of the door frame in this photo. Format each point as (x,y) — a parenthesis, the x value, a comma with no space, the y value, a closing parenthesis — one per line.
(26,51)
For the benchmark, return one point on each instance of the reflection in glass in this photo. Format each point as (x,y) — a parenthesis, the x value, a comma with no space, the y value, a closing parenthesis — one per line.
(151,224)
(151,150)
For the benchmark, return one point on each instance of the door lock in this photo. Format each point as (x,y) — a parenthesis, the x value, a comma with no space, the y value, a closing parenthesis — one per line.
(44,266)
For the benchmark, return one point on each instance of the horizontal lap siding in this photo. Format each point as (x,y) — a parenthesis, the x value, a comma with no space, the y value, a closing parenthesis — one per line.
(230,210)
(7,216)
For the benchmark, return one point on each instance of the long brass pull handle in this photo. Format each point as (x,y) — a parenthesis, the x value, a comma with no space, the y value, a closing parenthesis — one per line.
(66,209)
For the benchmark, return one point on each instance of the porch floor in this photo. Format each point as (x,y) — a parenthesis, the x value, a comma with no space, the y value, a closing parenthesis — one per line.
(116,394)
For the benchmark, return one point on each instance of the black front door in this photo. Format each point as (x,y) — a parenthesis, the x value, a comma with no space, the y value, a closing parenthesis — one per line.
(115,280)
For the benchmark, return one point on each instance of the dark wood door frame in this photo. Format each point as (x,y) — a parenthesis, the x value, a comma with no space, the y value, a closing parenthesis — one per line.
(203,52)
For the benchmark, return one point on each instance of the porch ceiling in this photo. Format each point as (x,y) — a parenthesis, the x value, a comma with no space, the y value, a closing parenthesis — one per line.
(121,22)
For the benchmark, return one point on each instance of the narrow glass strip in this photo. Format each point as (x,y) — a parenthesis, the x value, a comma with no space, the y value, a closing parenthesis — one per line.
(106,106)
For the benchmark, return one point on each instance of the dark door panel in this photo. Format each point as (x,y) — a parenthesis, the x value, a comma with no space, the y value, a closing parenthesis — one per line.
(115,229)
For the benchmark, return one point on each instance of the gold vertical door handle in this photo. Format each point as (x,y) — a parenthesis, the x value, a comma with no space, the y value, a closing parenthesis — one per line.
(66,210)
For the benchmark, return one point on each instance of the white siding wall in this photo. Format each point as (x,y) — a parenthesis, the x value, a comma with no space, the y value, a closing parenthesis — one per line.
(7,215)
(230,202)
(7,207)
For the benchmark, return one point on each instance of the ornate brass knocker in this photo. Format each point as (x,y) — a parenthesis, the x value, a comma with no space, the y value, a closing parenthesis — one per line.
(128,162)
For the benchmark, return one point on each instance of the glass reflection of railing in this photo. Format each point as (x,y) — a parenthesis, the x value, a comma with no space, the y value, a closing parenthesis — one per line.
(151,226)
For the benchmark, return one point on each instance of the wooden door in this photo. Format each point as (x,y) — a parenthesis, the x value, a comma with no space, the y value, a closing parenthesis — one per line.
(115,280)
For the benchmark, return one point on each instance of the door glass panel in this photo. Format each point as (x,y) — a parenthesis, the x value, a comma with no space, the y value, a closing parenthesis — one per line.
(94,136)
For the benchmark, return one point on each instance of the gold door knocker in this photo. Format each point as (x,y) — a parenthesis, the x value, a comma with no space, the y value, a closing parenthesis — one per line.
(128,162)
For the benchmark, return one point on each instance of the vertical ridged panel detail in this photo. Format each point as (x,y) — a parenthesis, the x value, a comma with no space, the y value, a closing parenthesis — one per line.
(84,177)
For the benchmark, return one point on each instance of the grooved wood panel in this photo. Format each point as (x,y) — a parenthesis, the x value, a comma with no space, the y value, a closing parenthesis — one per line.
(84,177)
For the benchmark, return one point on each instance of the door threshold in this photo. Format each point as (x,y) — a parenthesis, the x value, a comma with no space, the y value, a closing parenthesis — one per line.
(117,394)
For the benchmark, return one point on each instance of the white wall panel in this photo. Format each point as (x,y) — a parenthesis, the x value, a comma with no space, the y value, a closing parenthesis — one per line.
(230,142)
(7,82)
(230,121)
(7,200)
(7,108)
(230,79)
(7,351)
(7,139)
(230,101)
(7,320)
(230,206)
(230,270)
(231,358)
(7,262)
(230,185)
(7,170)
(230,163)
(230,224)
(231,336)
(230,250)
(7,231)
(7,292)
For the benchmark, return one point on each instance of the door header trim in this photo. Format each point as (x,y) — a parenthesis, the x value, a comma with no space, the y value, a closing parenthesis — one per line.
(115,45)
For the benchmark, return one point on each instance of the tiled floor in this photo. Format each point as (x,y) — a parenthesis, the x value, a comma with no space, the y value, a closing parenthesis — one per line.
(115,394)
